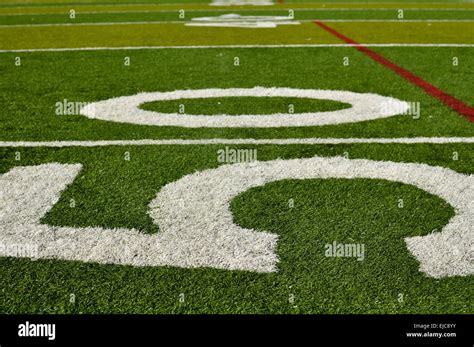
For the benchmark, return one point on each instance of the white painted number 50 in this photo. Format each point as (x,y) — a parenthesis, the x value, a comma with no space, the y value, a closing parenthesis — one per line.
(198,230)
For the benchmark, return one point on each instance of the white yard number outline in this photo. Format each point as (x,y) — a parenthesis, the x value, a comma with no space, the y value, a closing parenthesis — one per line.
(365,106)
(196,224)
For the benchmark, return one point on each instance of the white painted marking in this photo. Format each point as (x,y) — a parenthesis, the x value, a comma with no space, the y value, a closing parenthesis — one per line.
(203,198)
(196,224)
(29,192)
(250,25)
(322,45)
(288,141)
(238,21)
(241,2)
(365,106)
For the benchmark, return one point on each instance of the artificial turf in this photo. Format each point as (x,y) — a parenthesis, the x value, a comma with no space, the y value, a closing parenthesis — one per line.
(321,3)
(244,105)
(31,91)
(112,192)
(174,15)
(177,34)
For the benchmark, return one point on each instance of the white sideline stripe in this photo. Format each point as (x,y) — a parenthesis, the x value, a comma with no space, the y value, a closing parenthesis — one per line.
(291,141)
(322,45)
(176,22)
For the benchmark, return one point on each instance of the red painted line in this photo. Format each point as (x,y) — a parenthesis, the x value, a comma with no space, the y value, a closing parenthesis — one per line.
(456,104)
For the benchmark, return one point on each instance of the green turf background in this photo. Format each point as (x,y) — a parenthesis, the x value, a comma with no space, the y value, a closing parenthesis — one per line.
(29,92)
(177,34)
(173,15)
(58,2)
(111,192)
(244,105)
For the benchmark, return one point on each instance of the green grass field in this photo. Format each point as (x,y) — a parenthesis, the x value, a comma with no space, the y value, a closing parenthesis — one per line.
(121,48)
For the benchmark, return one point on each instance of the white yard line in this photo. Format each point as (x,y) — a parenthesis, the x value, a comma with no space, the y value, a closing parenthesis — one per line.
(289,141)
(177,22)
(323,45)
